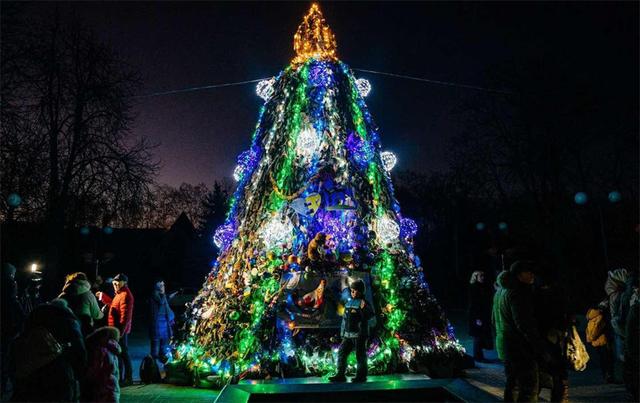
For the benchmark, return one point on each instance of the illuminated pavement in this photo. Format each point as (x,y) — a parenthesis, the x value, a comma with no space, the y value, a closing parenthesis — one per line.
(584,386)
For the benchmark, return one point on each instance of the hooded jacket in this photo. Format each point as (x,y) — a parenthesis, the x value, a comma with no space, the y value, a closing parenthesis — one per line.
(101,383)
(81,300)
(517,334)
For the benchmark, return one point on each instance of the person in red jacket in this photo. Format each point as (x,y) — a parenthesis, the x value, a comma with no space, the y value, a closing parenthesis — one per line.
(120,315)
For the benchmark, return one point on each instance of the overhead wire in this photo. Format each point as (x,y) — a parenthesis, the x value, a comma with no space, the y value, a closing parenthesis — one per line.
(401,76)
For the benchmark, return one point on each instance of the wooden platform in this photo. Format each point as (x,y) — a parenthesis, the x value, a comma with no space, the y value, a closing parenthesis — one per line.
(386,388)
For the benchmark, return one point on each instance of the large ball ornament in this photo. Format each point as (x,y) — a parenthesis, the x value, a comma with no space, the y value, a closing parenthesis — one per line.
(387,230)
(307,143)
(364,87)
(276,232)
(264,89)
(389,160)
(223,236)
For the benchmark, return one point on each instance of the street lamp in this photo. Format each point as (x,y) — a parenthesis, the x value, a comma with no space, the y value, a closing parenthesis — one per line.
(614,196)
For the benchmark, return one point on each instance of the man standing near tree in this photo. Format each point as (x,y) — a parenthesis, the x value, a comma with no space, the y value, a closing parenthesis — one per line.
(120,316)
(517,339)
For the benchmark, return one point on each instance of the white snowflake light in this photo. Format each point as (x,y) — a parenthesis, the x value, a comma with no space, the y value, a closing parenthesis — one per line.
(307,143)
(276,232)
(364,87)
(389,160)
(264,89)
(387,230)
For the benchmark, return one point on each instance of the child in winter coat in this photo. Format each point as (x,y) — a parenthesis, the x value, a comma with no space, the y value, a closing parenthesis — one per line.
(354,332)
(101,383)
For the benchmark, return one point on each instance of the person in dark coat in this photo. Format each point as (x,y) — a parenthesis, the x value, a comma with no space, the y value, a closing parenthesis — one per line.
(480,297)
(517,339)
(631,346)
(354,332)
(161,321)
(103,374)
(120,316)
(50,355)
(12,318)
(551,312)
(77,293)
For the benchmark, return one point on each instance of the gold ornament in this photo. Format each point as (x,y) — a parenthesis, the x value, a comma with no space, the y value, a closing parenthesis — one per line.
(314,38)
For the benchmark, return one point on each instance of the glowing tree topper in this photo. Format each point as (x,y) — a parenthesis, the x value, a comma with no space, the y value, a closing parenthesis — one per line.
(389,160)
(276,232)
(364,87)
(387,230)
(264,89)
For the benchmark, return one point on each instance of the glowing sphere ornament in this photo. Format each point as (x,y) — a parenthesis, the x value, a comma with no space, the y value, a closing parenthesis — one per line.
(480,226)
(264,89)
(389,160)
(276,232)
(408,228)
(84,231)
(364,87)
(502,226)
(223,236)
(308,143)
(387,230)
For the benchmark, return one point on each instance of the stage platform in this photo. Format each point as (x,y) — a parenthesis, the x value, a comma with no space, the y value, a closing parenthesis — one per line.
(384,388)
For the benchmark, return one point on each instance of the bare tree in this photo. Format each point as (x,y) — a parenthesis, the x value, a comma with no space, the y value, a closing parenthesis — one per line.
(66,119)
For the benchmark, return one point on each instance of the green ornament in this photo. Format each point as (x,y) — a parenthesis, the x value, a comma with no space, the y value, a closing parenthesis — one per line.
(234,315)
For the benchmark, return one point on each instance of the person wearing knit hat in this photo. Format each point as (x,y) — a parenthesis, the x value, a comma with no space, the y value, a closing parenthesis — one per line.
(518,342)
(354,332)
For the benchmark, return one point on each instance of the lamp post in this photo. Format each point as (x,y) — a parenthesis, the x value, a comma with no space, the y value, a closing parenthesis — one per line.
(581,198)
(85,231)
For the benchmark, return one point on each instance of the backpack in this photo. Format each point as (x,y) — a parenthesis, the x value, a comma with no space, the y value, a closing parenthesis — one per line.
(149,371)
(37,347)
(577,355)
(596,328)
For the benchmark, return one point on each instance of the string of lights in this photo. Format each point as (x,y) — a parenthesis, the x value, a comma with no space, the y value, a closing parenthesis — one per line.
(401,76)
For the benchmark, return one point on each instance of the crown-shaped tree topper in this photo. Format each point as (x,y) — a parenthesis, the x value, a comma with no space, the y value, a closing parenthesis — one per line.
(314,38)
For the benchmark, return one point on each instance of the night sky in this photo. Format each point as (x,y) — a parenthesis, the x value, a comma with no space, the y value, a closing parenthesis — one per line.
(181,45)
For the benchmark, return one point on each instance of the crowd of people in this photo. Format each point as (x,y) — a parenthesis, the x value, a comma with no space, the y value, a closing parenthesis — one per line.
(535,335)
(75,347)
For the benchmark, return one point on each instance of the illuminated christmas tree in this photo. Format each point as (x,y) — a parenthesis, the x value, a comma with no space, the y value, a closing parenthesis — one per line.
(314,209)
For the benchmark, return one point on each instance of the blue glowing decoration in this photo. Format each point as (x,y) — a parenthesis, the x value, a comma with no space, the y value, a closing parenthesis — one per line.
(107,230)
(14,200)
(502,226)
(581,198)
(247,161)
(614,196)
(84,231)
(359,150)
(480,226)
(223,236)
(408,228)
(320,74)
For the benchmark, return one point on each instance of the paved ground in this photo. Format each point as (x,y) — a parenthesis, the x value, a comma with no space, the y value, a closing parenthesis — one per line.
(585,386)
